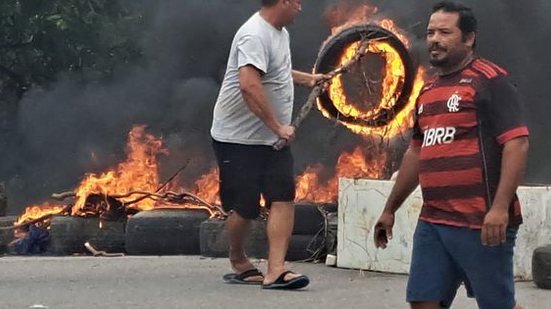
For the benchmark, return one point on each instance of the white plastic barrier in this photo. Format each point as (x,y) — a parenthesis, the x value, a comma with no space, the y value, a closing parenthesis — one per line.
(362,201)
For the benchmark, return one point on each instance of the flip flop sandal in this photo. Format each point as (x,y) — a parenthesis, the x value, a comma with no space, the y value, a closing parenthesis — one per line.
(293,284)
(242,277)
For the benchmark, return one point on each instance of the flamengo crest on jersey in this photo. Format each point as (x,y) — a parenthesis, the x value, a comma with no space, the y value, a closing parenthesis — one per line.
(453,103)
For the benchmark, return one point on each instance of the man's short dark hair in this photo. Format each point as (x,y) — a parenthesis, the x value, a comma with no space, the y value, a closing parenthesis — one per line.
(269,2)
(467,20)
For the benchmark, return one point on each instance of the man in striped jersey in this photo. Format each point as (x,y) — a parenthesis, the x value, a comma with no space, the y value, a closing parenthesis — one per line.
(468,153)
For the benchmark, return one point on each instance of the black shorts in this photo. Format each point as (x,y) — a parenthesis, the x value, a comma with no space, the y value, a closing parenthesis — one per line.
(246,171)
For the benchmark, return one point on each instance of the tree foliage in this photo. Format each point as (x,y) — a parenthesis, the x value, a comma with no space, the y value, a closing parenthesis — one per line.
(41,38)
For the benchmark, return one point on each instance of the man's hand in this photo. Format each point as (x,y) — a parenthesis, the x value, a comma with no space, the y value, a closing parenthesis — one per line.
(383,230)
(494,229)
(316,78)
(287,133)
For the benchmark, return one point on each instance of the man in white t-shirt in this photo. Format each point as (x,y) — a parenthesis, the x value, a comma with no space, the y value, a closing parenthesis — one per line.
(252,112)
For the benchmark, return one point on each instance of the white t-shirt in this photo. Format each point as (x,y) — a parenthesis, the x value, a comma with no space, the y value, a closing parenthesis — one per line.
(260,44)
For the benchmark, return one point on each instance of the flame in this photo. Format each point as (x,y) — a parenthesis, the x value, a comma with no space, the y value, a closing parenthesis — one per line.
(343,16)
(393,79)
(139,172)
(38,211)
(141,169)
(360,163)
(401,121)
(309,186)
(207,186)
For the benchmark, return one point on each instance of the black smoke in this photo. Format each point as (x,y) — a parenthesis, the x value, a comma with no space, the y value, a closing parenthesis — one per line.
(72,128)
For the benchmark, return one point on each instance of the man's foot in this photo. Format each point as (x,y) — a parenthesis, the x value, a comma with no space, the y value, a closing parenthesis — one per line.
(287,280)
(244,268)
(246,277)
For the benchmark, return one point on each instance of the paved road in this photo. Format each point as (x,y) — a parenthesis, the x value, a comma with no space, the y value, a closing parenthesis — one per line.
(194,282)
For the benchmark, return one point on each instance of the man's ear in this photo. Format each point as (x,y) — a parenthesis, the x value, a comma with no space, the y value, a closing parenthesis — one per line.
(470,39)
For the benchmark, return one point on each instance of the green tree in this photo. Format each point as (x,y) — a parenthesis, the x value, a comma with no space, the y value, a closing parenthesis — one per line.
(41,38)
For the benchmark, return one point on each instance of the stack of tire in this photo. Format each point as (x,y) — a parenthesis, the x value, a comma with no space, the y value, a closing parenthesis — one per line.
(6,235)
(306,241)
(164,232)
(68,235)
(214,239)
(541,267)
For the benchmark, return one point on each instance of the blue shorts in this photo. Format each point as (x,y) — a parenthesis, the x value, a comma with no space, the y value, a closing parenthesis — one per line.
(444,257)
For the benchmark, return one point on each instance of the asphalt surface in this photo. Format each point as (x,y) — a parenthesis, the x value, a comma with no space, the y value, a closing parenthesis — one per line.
(194,282)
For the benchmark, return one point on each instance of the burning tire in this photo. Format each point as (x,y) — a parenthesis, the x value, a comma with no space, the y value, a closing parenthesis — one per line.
(330,56)
(68,235)
(214,239)
(6,236)
(541,267)
(164,232)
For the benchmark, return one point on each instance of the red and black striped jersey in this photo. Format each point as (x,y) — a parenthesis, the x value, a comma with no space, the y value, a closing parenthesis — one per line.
(462,122)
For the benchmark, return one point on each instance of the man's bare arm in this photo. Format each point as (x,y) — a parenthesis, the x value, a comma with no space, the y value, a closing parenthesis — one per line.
(306,79)
(513,164)
(250,80)
(407,180)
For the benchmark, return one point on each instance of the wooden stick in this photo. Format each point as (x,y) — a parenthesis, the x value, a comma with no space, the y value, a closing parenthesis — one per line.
(320,87)
(96,252)
(63,195)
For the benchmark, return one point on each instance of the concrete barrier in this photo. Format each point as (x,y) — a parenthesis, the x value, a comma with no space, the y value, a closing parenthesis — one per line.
(362,201)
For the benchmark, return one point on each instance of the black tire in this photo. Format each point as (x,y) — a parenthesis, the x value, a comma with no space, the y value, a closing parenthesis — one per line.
(110,237)
(6,236)
(304,247)
(541,267)
(331,234)
(214,239)
(164,232)
(308,219)
(330,54)
(66,236)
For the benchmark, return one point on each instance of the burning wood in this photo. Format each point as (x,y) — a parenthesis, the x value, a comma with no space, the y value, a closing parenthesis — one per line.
(97,204)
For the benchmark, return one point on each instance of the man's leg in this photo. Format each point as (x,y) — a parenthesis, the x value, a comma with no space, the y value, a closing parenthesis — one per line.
(238,232)
(240,194)
(280,227)
(489,269)
(278,185)
(433,277)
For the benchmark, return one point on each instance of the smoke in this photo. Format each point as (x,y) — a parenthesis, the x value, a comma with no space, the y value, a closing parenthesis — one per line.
(73,128)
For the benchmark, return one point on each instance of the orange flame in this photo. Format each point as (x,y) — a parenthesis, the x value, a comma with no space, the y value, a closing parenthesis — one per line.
(401,121)
(393,79)
(207,187)
(38,211)
(346,15)
(139,172)
(356,164)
